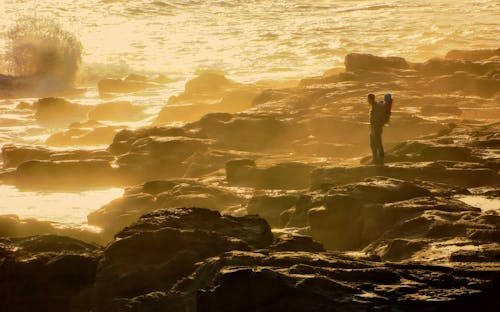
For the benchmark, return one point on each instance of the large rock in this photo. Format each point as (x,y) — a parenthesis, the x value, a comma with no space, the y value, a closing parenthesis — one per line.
(164,246)
(121,212)
(245,281)
(472,55)
(14,155)
(291,175)
(65,174)
(60,111)
(46,273)
(455,173)
(437,67)
(116,111)
(357,61)
(271,207)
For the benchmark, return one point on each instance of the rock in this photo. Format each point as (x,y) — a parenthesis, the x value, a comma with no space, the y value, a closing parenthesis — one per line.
(296,243)
(121,212)
(271,207)
(436,67)
(472,55)
(251,229)
(57,110)
(116,111)
(65,174)
(95,136)
(45,273)
(170,241)
(357,61)
(237,281)
(159,157)
(14,155)
(247,133)
(456,173)
(292,175)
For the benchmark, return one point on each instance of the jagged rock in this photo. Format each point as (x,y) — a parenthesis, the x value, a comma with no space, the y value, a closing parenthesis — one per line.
(170,241)
(45,273)
(244,281)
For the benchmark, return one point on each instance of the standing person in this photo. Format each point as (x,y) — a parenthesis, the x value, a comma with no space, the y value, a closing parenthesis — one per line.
(378,117)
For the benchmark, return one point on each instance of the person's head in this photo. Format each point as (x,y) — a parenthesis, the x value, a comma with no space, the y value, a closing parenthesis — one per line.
(371,98)
(388,98)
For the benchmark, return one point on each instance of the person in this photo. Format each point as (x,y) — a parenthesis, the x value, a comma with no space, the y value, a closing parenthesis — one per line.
(379,116)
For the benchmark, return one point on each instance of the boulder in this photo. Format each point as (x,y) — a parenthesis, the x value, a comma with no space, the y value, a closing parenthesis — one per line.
(249,281)
(270,207)
(171,242)
(290,176)
(358,61)
(83,136)
(116,111)
(58,110)
(456,173)
(46,273)
(121,212)
(472,55)
(437,67)
(65,174)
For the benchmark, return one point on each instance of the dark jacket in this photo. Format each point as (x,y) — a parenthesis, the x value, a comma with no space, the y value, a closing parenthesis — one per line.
(378,114)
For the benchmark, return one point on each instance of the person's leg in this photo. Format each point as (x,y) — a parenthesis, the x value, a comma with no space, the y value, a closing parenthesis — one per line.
(378,144)
(373,146)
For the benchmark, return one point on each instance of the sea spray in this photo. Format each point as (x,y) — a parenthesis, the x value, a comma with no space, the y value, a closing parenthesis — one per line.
(42,51)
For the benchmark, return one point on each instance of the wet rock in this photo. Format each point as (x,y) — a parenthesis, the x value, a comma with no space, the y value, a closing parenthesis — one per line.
(116,111)
(14,155)
(83,136)
(159,157)
(436,67)
(248,133)
(357,61)
(57,110)
(296,243)
(271,207)
(472,55)
(65,174)
(455,173)
(45,273)
(121,212)
(292,175)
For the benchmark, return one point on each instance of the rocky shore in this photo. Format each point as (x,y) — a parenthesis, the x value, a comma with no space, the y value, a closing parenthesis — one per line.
(263,199)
